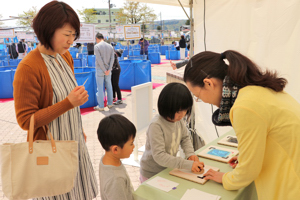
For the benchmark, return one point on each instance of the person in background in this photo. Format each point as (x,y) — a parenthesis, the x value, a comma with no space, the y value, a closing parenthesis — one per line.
(12,51)
(115,76)
(144,46)
(167,132)
(265,119)
(79,47)
(90,48)
(181,63)
(22,49)
(45,85)
(105,57)
(182,45)
(116,135)
(176,45)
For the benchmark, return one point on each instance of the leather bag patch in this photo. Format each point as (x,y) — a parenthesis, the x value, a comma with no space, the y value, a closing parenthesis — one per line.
(42,160)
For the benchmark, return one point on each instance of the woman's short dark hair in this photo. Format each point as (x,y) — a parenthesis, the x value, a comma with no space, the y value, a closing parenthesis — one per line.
(241,70)
(182,36)
(173,98)
(52,16)
(115,130)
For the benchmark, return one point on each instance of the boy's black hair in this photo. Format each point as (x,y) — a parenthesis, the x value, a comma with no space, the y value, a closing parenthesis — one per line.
(115,130)
(173,98)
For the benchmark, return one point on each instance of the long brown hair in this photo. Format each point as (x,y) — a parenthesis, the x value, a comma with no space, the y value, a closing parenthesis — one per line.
(241,70)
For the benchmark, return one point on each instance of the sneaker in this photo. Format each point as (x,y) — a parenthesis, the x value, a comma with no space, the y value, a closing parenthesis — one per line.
(118,102)
(98,108)
(110,106)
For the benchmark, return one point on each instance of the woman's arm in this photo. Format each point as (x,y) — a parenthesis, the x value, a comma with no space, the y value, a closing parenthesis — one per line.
(27,97)
(251,130)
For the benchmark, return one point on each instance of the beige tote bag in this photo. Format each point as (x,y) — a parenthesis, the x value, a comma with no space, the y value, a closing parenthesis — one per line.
(38,169)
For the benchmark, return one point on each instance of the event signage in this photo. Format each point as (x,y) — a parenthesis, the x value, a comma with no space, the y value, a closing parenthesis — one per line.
(29,37)
(87,33)
(7,33)
(120,29)
(132,32)
(21,35)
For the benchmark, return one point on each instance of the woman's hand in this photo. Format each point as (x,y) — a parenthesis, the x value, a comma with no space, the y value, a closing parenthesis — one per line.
(233,162)
(78,96)
(214,175)
(173,65)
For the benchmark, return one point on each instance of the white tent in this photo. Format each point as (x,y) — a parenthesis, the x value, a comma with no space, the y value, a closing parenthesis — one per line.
(266,31)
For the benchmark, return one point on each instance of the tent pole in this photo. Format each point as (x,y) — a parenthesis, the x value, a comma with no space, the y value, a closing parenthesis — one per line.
(192,30)
(184,10)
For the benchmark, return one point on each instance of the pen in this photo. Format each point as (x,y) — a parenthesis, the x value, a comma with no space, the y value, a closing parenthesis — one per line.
(85,81)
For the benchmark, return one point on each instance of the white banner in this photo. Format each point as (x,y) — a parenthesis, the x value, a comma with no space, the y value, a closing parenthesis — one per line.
(21,35)
(29,37)
(120,29)
(132,32)
(104,32)
(119,35)
(7,33)
(87,33)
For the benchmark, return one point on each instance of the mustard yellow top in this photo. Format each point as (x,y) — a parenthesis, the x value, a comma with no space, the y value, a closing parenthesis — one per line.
(267,126)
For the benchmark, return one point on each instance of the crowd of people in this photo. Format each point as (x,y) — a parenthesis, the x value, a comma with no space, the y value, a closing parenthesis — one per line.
(265,118)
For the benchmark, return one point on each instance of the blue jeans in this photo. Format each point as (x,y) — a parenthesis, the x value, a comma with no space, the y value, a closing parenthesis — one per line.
(102,79)
(142,53)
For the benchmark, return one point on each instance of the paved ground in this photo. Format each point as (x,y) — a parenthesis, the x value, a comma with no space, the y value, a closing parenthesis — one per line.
(11,132)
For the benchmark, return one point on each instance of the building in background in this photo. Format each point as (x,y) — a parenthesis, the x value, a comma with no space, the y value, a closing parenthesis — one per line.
(102,17)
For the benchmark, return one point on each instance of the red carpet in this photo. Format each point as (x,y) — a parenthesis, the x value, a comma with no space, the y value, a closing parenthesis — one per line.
(154,85)
(6,100)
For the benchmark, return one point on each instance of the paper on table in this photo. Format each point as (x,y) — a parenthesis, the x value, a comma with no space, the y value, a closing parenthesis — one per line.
(190,172)
(162,183)
(192,193)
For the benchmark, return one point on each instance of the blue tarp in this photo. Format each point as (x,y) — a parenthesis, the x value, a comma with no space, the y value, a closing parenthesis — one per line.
(90,86)
(6,83)
(91,61)
(134,72)
(154,58)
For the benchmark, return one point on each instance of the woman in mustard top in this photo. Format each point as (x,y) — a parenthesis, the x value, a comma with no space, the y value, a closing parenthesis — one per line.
(266,121)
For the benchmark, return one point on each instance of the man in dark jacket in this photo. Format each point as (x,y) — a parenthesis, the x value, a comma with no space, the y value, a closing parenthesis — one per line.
(12,50)
(182,46)
(22,49)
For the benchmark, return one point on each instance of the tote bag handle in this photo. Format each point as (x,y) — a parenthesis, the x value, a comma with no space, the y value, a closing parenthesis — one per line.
(31,131)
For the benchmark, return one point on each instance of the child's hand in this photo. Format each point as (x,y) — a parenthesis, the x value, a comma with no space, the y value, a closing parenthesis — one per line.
(193,157)
(197,166)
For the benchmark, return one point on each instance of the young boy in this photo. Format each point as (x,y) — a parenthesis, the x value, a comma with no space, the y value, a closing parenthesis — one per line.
(116,135)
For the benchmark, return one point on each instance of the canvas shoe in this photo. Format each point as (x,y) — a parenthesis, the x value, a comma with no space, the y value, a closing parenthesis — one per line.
(110,106)
(98,108)
(118,102)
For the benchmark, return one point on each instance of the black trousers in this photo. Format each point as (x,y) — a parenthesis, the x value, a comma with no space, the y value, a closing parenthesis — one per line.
(115,76)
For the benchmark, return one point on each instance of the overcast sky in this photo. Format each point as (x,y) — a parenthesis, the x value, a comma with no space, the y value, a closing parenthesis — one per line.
(15,7)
